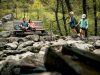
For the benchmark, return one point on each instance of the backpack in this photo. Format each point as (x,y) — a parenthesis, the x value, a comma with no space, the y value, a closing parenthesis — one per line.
(76,21)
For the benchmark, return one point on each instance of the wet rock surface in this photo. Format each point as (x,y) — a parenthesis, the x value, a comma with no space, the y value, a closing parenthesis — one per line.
(29,51)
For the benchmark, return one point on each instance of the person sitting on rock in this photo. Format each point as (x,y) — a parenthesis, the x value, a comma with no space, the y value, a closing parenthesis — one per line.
(24,25)
(31,25)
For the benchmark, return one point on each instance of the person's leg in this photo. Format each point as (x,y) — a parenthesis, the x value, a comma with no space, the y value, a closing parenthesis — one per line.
(81,33)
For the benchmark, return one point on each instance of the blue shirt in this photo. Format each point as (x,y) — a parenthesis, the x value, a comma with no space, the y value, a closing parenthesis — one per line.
(72,21)
(84,23)
(24,24)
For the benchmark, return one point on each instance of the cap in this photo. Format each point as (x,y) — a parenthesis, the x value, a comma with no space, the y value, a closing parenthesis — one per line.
(83,15)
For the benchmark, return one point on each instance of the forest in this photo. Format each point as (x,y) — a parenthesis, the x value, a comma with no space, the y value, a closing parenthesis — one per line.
(54,13)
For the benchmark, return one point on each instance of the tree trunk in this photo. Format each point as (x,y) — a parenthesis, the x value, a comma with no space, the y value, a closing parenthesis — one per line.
(64,18)
(95,17)
(85,12)
(84,7)
(56,15)
(0,1)
(68,5)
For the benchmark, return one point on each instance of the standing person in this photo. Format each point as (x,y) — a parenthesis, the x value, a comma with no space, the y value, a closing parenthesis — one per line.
(83,26)
(72,22)
(24,25)
(31,25)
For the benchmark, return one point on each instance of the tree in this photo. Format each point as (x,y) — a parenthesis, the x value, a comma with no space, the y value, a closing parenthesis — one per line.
(64,18)
(56,15)
(95,16)
(84,5)
(68,5)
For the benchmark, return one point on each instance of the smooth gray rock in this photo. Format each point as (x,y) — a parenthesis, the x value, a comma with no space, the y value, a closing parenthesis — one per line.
(11,46)
(97,43)
(2,45)
(85,46)
(33,37)
(5,34)
(12,39)
(25,44)
(38,45)
(9,65)
(97,51)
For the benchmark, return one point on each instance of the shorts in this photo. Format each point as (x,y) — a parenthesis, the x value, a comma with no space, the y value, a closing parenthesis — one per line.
(72,27)
(83,28)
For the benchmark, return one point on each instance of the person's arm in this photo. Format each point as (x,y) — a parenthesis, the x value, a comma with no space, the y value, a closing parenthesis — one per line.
(78,23)
(27,26)
(20,25)
(87,24)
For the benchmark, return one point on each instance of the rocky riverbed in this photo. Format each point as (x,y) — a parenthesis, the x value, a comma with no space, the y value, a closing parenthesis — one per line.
(29,51)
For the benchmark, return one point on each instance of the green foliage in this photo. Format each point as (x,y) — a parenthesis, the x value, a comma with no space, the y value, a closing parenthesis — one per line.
(44,10)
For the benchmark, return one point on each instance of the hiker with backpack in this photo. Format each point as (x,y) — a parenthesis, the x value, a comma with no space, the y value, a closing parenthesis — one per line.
(73,23)
(83,24)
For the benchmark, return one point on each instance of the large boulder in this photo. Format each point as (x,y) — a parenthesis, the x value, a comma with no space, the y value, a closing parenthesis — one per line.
(5,34)
(70,42)
(83,46)
(97,43)
(49,38)
(97,51)
(12,39)
(26,60)
(11,46)
(9,66)
(38,45)
(93,38)
(58,42)
(25,44)
(2,45)
(33,37)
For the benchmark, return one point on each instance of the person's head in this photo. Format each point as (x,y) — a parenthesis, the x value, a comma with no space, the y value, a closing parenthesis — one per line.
(30,21)
(83,16)
(71,13)
(24,19)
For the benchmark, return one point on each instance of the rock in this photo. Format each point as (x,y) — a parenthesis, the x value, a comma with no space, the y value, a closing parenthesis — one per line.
(97,43)
(44,48)
(38,45)
(68,38)
(70,42)
(30,48)
(9,66)
(5,34)
(2,63)
(49,38)
(4,40)
(11,46)
(97,51)
(57,48)
(24,44)
(93,38)
(13,52)
(33,37)
(21,40)
(12,39)
(47,73)
(2,45)
(86,47)
(39,58)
